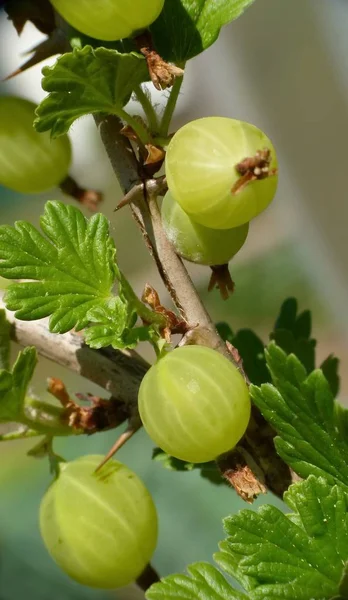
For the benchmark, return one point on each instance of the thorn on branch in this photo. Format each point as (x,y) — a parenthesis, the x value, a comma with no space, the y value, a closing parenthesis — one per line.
(157,186)
(121,441)
(39,12)
(221,280)
(88,198)
(254,168)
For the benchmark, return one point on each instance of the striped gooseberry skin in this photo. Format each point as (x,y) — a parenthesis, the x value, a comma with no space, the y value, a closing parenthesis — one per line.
(194,404)
(30,162)
(196,243)
(100,528)
(109,19)
(201,171)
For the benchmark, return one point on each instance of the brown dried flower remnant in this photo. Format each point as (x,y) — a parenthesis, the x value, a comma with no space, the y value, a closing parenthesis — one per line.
(174,323)
(254,168)
(162,73)
(222,280)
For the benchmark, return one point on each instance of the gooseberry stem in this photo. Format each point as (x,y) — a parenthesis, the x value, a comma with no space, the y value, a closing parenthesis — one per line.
(148,577)
(171,104)
(148,108)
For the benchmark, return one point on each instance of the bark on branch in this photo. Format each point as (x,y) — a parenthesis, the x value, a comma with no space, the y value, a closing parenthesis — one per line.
(118,372)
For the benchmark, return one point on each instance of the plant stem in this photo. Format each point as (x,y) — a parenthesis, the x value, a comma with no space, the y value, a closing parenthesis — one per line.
(170,106)
(137,127)
(170,266)
(148,108)
(45,418)
(18,435)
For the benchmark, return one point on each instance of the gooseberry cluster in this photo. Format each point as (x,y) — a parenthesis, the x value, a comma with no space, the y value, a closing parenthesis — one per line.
(221,173)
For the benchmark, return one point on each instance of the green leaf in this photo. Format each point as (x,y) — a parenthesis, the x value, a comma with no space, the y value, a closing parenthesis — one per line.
(251,349)
(225,331)
(113,325)
(203,582)
(108,324)
(252,352)
(5,329)
(72,267)
(330,369)
(14,384)
(299,556)
(343,589)
(87,81)
(207,470)
(187,27)
(312,428)
(292,333)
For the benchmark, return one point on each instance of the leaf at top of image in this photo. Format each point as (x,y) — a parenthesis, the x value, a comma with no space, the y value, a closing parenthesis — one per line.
(87,81)
(186,28)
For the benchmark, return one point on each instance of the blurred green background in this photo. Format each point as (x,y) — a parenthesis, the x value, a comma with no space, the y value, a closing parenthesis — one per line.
(280,66)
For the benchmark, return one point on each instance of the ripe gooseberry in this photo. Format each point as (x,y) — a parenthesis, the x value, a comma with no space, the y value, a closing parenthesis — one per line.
(109,20)
(223,172)
(99,527)
(30,162)
(194,404)
(196,243)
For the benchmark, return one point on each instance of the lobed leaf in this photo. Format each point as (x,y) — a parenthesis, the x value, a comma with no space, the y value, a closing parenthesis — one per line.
(311,426)
(114,325)
(72,267)
(251,349)
(300,555)
(202,582)
(292,333)
(87,81)
(186,28)
(272,555)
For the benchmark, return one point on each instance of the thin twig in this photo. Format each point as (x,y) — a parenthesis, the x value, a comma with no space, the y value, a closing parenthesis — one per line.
(170,106)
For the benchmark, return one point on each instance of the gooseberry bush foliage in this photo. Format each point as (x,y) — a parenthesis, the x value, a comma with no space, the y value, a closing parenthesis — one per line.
(251,415)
